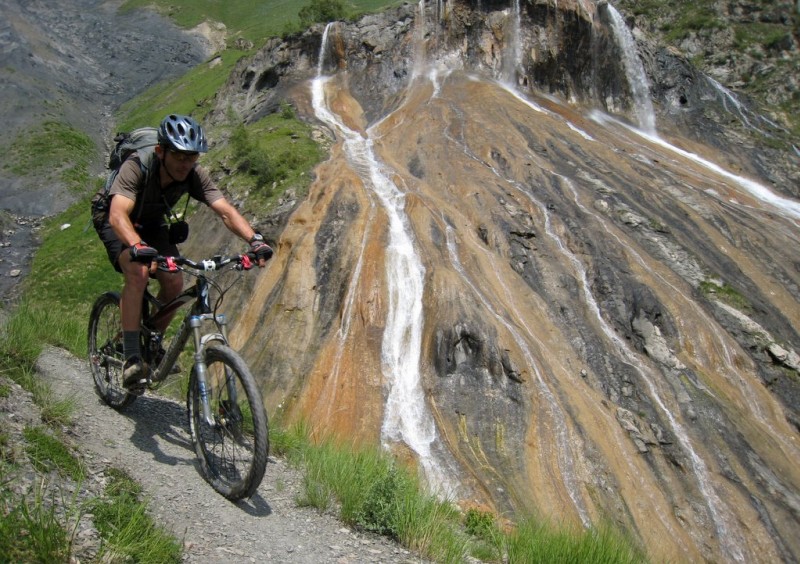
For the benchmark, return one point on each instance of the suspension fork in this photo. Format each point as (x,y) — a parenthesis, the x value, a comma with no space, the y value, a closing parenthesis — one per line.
(230,380)
(201,368)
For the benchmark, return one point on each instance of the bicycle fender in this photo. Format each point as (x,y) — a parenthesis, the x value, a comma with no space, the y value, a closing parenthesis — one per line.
(210,337)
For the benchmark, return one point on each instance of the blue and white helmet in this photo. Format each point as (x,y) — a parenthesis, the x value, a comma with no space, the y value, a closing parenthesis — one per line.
(182,133)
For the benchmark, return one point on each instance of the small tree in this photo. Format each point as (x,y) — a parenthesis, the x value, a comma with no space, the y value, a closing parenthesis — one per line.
(321,11)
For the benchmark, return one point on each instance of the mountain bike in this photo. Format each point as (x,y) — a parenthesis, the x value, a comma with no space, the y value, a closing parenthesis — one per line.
(227,418)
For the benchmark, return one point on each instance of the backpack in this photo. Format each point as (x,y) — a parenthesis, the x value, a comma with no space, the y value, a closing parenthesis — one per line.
(142,141)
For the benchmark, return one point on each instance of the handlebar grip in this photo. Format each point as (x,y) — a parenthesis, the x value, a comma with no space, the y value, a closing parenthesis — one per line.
(247,260)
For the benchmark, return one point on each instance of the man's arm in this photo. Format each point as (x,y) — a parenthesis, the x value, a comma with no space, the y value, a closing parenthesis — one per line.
(238,225)
(232,219)
(119,219)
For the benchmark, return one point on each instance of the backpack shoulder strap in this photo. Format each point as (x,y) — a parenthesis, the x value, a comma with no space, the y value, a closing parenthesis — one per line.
(147,160)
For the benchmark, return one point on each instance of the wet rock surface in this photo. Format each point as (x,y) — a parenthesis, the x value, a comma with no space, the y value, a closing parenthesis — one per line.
(592,293)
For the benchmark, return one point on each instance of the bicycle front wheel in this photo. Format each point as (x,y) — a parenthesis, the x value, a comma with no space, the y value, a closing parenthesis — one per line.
(233,445)
(105,351)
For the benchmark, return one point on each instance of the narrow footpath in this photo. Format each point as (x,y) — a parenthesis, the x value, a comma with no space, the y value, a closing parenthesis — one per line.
(150,441)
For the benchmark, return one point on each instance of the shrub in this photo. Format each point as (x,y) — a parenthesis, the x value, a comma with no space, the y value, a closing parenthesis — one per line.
(321,11)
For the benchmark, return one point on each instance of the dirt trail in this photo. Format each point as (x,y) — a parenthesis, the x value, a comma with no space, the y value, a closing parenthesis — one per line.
(149,440)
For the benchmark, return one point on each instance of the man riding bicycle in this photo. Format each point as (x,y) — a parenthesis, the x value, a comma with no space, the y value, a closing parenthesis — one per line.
(136,226)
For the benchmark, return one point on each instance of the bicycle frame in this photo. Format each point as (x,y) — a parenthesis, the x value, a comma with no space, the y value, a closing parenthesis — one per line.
(190,328)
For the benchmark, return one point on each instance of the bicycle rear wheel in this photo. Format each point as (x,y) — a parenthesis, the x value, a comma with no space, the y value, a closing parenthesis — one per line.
(232,448)
(105,351)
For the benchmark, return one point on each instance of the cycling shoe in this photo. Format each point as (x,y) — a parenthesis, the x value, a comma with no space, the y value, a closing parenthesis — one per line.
(135,374)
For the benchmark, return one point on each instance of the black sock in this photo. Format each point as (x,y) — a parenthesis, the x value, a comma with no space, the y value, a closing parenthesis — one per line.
(130,344)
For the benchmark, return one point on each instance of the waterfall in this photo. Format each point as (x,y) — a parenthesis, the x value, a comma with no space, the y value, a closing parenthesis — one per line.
(512,55)
(441,9)
(323,47)
(634,71)
(420,30)
(407,418)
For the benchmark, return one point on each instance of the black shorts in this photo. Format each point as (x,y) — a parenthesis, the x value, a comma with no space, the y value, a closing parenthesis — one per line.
(157,237)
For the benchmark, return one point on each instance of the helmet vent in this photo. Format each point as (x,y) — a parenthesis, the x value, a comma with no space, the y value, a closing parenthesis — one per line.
(182,133)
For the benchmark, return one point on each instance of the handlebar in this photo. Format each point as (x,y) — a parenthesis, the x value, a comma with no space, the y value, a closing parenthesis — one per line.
(244,261)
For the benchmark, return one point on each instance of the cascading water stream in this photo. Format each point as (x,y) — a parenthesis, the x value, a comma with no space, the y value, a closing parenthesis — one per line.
(639,85)
(444,63)
(784,206)
(512,57)
(420,30)
(634,71)
(349,300)
(407,418)
(640,89)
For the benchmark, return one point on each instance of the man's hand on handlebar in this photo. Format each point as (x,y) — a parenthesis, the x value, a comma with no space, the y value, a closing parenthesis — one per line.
(143,253)
(260,249)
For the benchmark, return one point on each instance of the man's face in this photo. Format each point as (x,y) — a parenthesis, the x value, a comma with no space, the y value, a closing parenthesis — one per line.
(179,164)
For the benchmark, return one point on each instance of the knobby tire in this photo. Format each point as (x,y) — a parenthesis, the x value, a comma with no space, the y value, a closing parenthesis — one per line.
(105,351)
(233,452)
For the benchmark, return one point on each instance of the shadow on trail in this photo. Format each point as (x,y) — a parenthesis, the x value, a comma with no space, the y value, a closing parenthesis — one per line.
(159,423)
(256,506)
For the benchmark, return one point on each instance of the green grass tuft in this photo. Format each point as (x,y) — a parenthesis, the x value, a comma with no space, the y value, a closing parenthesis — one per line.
(535,540)
(128,532)
(47,453)
(487,538)
(275,155)
(30,530)
(726,294)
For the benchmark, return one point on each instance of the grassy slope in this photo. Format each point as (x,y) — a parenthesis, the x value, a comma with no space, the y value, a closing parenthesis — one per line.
(254,21)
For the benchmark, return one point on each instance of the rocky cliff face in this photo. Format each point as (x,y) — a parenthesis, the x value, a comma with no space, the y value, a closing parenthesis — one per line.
(509,277)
